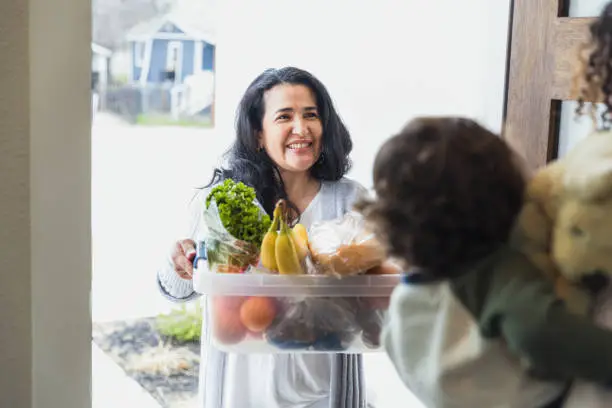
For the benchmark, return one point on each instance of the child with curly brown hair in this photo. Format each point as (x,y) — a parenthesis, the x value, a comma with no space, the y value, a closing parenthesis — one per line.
(471,310)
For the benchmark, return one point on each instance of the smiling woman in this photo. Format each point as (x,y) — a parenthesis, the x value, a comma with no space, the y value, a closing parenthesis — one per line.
(290,144)
(291,136)
(281,107)
(291,128)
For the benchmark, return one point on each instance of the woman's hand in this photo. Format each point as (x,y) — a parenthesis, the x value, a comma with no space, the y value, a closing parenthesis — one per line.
(183,255)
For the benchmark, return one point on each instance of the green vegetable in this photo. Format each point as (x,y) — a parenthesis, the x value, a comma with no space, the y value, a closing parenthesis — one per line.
(238,212)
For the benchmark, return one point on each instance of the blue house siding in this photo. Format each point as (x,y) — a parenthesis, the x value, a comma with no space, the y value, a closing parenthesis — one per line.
(159,54)
(188,56)
(159,51)
(158,60)
(208,57)
(135,69)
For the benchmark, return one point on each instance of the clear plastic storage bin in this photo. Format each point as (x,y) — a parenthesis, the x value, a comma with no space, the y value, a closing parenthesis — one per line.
(263,313)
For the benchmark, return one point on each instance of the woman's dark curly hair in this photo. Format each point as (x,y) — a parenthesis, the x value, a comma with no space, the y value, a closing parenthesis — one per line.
(593,79)
(448,192)
(252,166)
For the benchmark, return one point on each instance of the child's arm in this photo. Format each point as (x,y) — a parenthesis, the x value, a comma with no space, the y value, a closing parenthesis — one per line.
(514,301)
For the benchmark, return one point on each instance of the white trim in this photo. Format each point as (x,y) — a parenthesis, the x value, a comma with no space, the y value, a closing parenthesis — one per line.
(98,49)
(131,64)
(198,55)
(206,37)
(146,35)
(137,51)
(188,33)
(144,71)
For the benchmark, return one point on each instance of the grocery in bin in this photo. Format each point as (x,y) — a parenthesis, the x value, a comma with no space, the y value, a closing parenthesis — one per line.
(275,288)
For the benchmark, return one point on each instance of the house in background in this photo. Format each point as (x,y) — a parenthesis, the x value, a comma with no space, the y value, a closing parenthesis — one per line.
(167,67)
(170,49)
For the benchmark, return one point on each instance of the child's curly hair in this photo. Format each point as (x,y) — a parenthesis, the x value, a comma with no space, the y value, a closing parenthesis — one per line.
(448,192)
(592,81)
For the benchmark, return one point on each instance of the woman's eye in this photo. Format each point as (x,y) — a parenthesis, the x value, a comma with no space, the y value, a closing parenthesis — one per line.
(311,115)
(576,231)
(282,117)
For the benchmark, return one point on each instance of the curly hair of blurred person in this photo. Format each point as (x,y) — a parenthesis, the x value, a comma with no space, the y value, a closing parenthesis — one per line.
(592,81)
(447,193)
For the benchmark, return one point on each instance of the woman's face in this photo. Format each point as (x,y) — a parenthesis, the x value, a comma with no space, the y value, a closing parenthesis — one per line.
(291,128)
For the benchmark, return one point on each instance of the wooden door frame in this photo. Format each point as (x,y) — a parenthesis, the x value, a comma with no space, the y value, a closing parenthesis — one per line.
(542,49)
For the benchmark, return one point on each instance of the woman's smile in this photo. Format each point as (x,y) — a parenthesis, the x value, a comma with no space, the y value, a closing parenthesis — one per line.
(300,147)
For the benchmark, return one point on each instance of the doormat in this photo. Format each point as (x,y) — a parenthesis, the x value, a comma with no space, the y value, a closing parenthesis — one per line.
(166,368)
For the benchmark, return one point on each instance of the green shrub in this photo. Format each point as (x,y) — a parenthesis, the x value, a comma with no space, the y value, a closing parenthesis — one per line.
(183,324)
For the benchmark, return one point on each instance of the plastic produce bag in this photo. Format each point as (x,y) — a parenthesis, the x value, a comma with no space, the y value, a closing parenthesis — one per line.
(345,246)
(370,320)
(325,324)
(314,324)
(227,254)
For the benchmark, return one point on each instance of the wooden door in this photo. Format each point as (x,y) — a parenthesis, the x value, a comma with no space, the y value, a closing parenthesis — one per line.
(543,43)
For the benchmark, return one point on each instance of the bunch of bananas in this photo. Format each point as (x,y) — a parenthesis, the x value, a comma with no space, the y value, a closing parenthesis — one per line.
(284,249)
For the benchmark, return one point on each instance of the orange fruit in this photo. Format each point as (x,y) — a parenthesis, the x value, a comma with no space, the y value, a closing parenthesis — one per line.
(229,329)
(257,313)
(227,302)
(227,325)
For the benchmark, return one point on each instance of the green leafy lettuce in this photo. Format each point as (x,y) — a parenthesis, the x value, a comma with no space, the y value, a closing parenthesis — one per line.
(238,212)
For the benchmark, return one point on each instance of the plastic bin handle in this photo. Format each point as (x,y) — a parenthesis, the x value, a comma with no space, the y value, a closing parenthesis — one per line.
(200,253)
